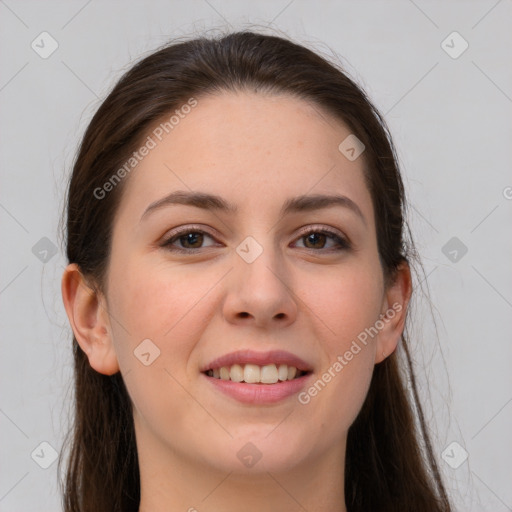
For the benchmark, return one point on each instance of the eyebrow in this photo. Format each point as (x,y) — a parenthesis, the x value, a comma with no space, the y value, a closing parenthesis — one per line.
(205,201)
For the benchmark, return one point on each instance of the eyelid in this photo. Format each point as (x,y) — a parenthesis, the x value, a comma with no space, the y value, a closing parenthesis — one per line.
(183,230)
(342,240)
(188,228)
(320,227)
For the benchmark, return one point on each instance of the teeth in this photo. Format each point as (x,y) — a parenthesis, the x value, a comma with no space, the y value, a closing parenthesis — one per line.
(251,373)
(269,374)
(254,374)
(236,373)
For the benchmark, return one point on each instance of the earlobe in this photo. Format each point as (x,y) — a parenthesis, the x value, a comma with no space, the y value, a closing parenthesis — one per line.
(88,317)
(394,311)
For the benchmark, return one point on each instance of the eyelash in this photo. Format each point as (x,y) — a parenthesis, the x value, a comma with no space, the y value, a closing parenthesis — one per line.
(343,244)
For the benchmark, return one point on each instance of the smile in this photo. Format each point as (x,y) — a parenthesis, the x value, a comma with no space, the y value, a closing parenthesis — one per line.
(255,374)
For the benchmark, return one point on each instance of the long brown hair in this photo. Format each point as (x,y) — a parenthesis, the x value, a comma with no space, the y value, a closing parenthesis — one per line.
(390,464)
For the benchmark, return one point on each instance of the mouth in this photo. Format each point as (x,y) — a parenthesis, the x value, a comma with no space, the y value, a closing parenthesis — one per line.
(250,373)
(258,378)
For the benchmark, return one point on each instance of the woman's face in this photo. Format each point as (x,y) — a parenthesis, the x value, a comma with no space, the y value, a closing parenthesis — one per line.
(248,280)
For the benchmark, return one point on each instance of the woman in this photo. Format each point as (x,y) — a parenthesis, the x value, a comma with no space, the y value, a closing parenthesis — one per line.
(238,284)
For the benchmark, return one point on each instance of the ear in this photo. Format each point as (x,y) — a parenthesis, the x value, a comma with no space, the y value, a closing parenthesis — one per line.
(393,314)
(88,315)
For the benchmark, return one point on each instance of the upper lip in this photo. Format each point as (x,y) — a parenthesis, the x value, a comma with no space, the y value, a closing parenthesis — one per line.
(260,358)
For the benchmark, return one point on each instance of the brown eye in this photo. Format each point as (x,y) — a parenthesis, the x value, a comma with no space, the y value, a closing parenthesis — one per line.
(189,240)
(316,239)
(195,240)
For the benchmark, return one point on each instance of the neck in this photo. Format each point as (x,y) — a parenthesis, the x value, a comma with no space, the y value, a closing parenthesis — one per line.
(172,482)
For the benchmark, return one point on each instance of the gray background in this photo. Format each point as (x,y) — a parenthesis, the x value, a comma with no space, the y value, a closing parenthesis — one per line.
(451,121)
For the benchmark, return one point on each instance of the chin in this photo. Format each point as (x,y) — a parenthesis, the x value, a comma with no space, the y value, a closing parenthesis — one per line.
(261,451)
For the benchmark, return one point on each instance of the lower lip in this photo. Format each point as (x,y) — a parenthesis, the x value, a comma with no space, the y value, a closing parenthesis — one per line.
(260,393)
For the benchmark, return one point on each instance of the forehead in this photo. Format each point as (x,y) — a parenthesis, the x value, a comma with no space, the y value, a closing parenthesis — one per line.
(256,150)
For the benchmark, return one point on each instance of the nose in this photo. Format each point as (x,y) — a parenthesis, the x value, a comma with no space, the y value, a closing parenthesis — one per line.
(260,293)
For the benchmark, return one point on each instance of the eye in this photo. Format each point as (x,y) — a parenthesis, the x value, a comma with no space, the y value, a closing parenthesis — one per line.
(189,239)
(192,239)
(315,238)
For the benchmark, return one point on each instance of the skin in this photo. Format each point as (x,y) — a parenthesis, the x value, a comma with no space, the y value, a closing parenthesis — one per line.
(299,295)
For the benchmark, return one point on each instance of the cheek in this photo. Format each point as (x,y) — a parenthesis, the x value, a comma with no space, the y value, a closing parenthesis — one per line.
(346,306)
(345,302)
(167,304)
(168,307)
(155,301)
